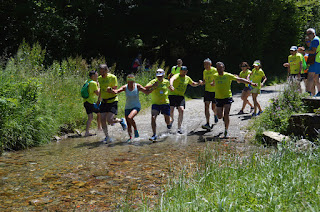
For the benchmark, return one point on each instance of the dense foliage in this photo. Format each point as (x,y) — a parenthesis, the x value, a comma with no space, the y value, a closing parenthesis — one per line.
(225,30)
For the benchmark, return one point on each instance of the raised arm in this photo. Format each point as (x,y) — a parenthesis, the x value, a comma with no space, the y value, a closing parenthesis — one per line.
(245,81)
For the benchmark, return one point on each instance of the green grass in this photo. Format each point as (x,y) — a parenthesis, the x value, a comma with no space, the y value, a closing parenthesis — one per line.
(226,180)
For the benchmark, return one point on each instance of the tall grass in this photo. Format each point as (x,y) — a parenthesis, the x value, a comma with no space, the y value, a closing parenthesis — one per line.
(38,101)
(226,180)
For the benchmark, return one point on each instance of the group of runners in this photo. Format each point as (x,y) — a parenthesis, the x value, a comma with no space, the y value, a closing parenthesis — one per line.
(168,94)
(304,65)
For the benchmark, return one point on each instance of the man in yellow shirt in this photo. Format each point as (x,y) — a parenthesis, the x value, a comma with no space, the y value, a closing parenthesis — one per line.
(209,93)
(222,81)
(159,99)
(178,85)
(175,69)
(109,101)
(89,103)
(295,64)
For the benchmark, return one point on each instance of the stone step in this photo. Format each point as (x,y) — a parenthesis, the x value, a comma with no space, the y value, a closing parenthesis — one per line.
(273,138)
(311,103)
(306,125)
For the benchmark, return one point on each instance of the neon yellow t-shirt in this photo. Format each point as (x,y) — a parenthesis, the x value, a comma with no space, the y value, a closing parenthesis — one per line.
(180,85)
(223,85)
(294,62)
(208,78)
(318,54)
(109,81)
(175,70)
(245,75)
(256,77)
(159,95)
(93,86)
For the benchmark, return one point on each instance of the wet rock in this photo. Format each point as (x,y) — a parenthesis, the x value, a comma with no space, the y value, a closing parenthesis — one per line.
(273,138)
(56,138)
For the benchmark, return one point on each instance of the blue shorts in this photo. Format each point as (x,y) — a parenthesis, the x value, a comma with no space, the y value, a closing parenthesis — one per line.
(315,68)
(128,111)
(164,109)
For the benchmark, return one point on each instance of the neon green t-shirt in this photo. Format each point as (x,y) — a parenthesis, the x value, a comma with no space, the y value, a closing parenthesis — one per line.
(93,86)
(245,75)
(318,54)
(159,95)
(223,85)
(256,77)
(180,85)
(175,70)
(109,81)
(208,78)
(294,62)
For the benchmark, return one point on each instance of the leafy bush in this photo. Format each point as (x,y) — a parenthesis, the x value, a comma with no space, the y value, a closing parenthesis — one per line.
(276,116)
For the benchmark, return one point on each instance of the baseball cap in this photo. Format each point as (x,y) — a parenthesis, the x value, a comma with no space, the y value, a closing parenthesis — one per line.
(184,68)
(256,63)
(293,48)
(160,72)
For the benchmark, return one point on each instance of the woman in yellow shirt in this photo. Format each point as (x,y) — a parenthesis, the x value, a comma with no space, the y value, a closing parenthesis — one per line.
(245,72)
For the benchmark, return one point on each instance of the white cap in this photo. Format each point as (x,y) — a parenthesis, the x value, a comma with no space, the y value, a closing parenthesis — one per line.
(160,72)
(293,48)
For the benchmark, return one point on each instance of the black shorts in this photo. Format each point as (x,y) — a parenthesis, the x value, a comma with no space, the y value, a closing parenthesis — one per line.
(109,107)
(209,97)
(90,108)
(222,102)
(177,101)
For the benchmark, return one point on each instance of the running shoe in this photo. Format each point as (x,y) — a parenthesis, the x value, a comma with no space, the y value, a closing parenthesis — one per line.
(153,138)
(216,119)
(123,124)
(180,131)
(206,126)
(240,112)
(169,126)
(318,94)
(136,134)
(259,113)
(253,115)
(107,140)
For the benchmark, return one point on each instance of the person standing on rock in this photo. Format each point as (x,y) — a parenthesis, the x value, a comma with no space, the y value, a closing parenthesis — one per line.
(109,101)
(178,85)
(314,69)
(222,82)
(256,76)
(159,99)
(245,72)
(133,105)
(89,103)
(175,69)
(209,93)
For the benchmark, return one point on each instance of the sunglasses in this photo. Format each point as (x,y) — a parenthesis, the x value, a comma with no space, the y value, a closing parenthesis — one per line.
(244,66)
(309,33)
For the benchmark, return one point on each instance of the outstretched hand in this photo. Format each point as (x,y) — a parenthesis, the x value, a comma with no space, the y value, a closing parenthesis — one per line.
(212,83)
(171,88)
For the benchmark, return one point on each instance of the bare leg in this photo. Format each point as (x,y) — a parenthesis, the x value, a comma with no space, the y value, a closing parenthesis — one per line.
(317,82)
(130,118)
(256,103)
(226,113)
(99,121)
(219,112)
(167,119)
(90,118)
(172,113)
(154,115)
(311,83)
(129,127)
(206,111)
(180,118)
(104,123)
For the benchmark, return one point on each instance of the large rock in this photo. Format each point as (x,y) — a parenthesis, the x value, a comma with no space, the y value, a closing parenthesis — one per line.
(273,138)
(306,125)
(312,103)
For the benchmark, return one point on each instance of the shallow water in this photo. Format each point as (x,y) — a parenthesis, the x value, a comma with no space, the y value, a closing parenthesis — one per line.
(83,174)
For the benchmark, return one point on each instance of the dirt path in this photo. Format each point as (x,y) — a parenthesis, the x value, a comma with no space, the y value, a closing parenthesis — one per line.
(84,174)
